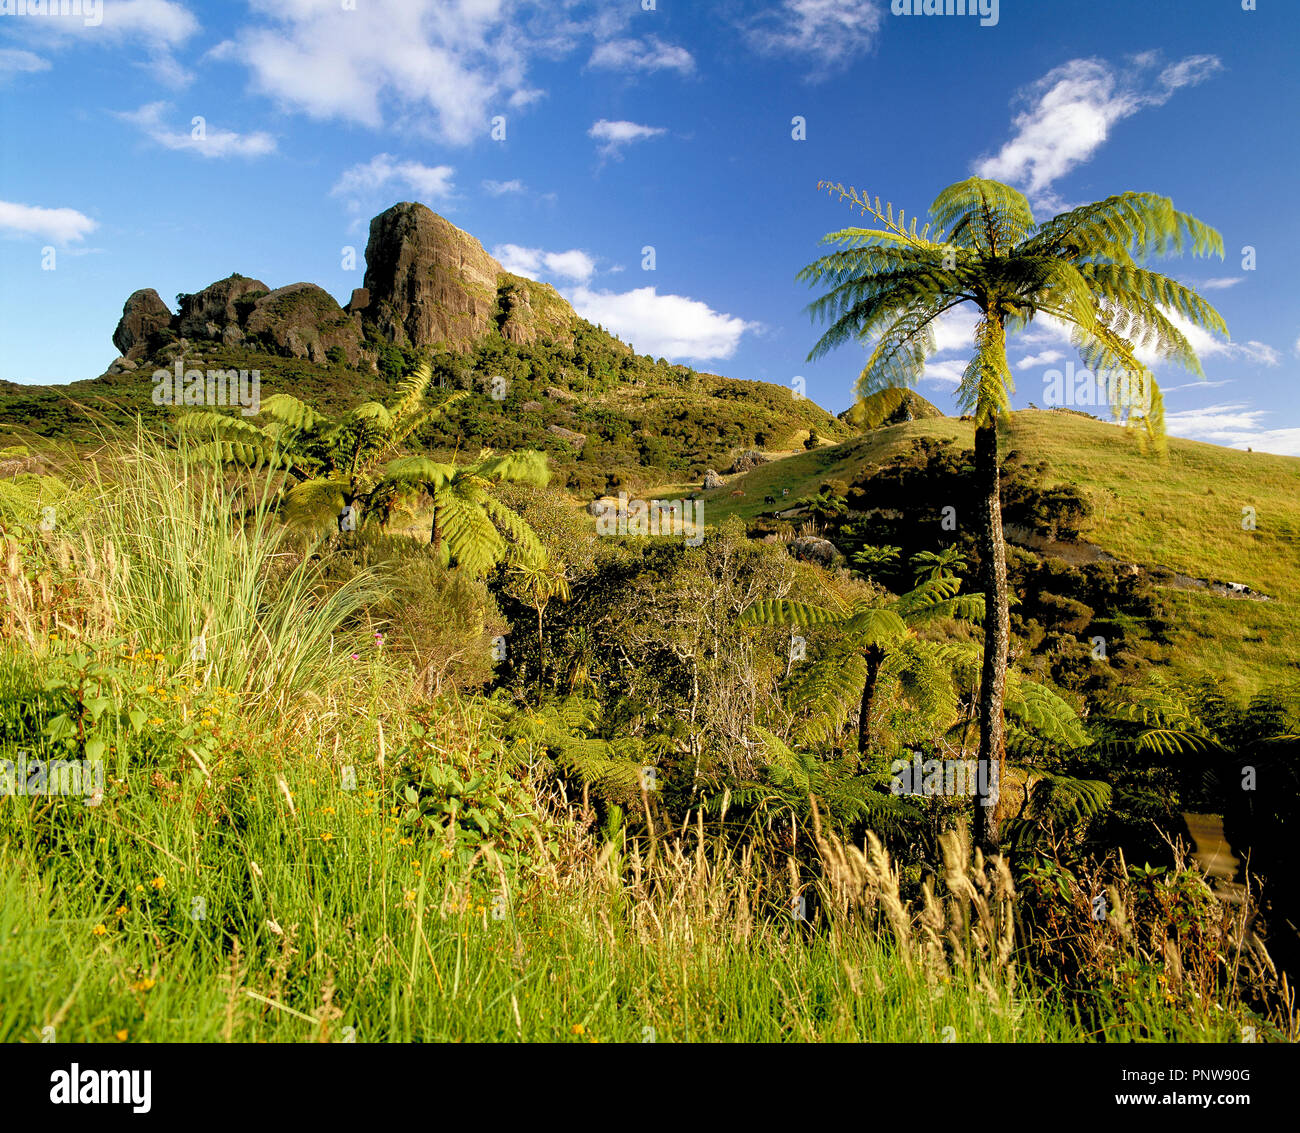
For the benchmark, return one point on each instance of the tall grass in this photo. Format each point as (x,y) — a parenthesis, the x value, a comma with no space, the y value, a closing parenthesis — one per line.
(265,895)
(209,571)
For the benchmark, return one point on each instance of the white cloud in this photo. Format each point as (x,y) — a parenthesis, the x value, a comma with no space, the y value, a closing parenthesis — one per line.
(431,182)
(649,54)
(58,225)
(1045,329)
(155,26)
(614,135)
(1208,345)
(668,326)
(1220,284)
(1046,358)
(16,62)
(503,188)
(831,31)
(156,23)
(955,329)
(1070,112)
(533,263)
(444,66)
(1196,385)
(212,142)
(949,372)
(1235,425)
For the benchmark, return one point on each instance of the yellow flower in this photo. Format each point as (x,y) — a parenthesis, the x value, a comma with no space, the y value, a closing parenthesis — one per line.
(577,1029)
(120,1036)
(156,721)
(121,911)
(415,864)
(327,810)
(158,882)
(410,896)
(446,853)
(327,837)
(404,841)
(99,930)
(143,985)
(139,888)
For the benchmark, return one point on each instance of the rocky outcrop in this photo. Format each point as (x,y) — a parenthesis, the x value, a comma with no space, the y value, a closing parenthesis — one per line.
(427,285)
(304,321)
(428,282)
(747,460)
(142,314)
(810,549)
(711,480)
(577,440)
(532,312)
(206,313)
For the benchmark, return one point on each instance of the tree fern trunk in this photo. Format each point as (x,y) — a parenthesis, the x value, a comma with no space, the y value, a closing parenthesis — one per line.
(997,632)
(873,656)
(435,536)
(541,652)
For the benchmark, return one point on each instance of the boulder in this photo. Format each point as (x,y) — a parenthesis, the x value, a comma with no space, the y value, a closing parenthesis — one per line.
(811,549)
(142,314)
(711,480)
(305,321)
(121,366)
(575,439)
(206,313)
(747,460)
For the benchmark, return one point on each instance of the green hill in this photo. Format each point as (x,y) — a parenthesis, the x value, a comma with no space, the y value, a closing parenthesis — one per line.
(1180,513)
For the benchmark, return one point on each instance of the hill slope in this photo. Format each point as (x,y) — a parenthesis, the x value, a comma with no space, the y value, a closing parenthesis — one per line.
(1182,512)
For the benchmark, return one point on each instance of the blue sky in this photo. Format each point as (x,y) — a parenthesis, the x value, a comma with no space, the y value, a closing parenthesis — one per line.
(631,124)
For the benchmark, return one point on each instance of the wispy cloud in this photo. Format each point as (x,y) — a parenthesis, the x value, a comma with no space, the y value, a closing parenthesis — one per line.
(1220,284)
(831,33)
(383,172)
(948,372)
(200,138)
(155,27)
(1046,358)
(58,225)
(534,263)
(649,54)
(613,136)
(16,62)
(1069,113)
(504,188)
(1236,425)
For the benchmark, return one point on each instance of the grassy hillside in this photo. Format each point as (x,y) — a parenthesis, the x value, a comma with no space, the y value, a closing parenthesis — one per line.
(1181,511)
(607,417)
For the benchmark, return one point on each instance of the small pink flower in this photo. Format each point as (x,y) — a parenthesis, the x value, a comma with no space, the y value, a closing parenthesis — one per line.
(355,657)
